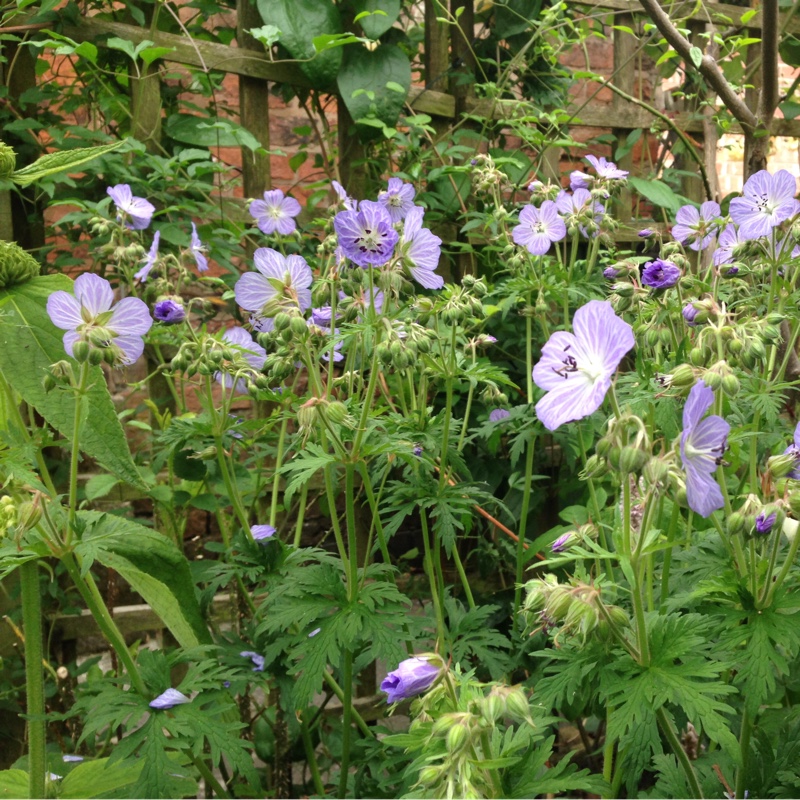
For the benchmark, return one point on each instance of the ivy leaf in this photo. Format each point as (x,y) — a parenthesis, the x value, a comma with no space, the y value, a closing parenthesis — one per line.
(379,16)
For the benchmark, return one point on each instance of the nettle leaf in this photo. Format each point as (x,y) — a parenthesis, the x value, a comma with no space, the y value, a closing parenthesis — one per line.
(63,160)
(153,566)
(379,16)
(299,22)
(29,344)
(364,80)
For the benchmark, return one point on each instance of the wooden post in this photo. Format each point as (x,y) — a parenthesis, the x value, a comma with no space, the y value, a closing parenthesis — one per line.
(624,77)
(253,107)
(437,47)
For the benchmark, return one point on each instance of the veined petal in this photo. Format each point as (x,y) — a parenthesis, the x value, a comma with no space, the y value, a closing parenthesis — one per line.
(94,293)
(699,401)
(70,337)
(130,316)
(300,272)
(131,346)
(601,332)
(702,492)
(269,262)
(427,278)
(253,291)
(710,435)
(546,371)
(575,398)
(64,311)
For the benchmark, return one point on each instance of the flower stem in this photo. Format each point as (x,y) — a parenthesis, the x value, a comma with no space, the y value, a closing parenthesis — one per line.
(669,732)
(76,452)
(523,524)
(426,544)
(34,677)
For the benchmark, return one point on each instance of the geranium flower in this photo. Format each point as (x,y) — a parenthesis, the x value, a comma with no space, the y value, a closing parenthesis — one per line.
(347,202)
(412,676)
(366,236)
(794,450)
(169,699)
(198,250)
(728,239)
(499,414)
(576,368)
(320,321)
(262,533)
(764,522)
(703,441)
(766,202)
(87,316)
(539,228)
(697,228)
(398,199)
(420,250)
(256,658)
(280,281)
(135,212)
(275,212)
(579,208)
(606,169)
(253,353)
(169,310)
(660,274)
(579,180)
(150,259)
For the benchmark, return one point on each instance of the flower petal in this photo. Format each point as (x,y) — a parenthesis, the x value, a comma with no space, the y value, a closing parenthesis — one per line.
(94,293)
(130,316)
(64,310)
(253,291)
(602,332)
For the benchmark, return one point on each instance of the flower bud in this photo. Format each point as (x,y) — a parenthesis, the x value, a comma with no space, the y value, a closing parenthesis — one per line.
(632,459)
(8,161)
(736,523)
(282,321)
(595,467)
(80,351)
(336,411)
(298,326)
(696,356)
(517,705)
(493,707)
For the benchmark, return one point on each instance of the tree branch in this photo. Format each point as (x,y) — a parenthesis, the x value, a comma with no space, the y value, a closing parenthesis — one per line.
(708,66)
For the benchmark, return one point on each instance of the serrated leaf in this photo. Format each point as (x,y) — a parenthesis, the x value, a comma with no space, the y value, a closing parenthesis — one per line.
(299,22)
(29,344)
(99,486)
(63,160)
(153,566)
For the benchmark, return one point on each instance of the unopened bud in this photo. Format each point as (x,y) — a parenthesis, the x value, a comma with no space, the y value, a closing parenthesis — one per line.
(80,350)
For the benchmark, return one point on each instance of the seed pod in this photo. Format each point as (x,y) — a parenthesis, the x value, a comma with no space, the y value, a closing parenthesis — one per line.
(632,459)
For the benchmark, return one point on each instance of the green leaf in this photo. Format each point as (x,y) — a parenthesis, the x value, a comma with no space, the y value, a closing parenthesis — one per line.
(13,783)
(363,82)
(98,778)
(380,15)
(100,485)
(268,35)
(696,54)
(657,192)
(209,132)
(299,22)
(63,160)
(29,344)
(153,566)
(790,109)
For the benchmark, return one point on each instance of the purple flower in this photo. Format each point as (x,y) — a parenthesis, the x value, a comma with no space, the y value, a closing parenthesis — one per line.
(262,533)
(499,414)
(766,202)
(417,450)
(253,352)
(539,228)
(697,228)
(321,320)
(256,658)
(280,281)
(198,250)
(149,260)
(169,311)
(579,180)
(398,199)
(275,213)
(135,212)
(169,699)
(314,632)
(690,314)
(764,522)
(87,316)
(703,441)
(576,369)
(366,235)
(645,233)
(421,250)
(348,202)
(70,759)
(794,450)
(412,676)
(660,274)
(562,542)
(606,169)
(534,186)
(728,239)
(610,274)
(580,207)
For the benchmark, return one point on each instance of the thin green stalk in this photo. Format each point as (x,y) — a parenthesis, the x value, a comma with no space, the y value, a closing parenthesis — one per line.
(276,479)
(208,776)
(347,705)
(463,575)
(465,421)
(34,677)
(76,451)
(523,525)
(301,514)
(311,757)
(744,745)
(670,735)
(339,692)
(429,569)
(96,605)
(608,750)
(673,522)
(773,557)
